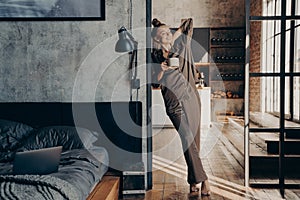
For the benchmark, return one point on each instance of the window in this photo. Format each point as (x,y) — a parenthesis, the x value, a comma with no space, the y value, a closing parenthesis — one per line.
(271,38)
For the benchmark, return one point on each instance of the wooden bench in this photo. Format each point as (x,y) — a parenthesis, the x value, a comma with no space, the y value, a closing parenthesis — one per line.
(106,189)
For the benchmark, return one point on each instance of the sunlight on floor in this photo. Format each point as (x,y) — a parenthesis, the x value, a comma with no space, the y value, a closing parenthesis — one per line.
(225,172)
(219,186)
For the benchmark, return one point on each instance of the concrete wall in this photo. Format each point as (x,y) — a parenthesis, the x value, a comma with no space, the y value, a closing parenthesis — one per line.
(64,61)
(68,60)
(206,13)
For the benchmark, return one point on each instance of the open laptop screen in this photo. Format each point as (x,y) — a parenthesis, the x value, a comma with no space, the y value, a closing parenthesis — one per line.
(40,161)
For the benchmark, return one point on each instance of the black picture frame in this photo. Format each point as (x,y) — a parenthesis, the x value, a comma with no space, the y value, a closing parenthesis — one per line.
(55,10)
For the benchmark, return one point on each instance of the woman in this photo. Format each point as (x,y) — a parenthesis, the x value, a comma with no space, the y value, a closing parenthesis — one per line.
(180,94)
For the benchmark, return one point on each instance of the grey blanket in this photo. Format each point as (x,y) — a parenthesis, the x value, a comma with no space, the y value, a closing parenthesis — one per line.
(79,171)
(36,187)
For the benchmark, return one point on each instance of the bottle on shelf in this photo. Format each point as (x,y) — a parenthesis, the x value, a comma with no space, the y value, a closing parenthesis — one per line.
(201,80)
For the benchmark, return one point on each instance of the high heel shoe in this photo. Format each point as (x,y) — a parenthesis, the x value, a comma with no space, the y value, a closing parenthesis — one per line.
(205,188)
(194,188)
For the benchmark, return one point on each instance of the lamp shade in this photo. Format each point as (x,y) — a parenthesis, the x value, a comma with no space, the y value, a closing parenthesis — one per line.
(124,44)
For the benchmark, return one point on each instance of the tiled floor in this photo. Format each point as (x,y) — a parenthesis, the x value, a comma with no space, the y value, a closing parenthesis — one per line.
(222,162)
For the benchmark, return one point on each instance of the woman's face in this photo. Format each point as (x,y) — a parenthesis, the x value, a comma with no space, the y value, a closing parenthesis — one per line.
(164,35)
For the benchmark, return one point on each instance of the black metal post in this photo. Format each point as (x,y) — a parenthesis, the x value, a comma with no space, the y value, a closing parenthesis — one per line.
(149,93)
(282,98)
(292,59)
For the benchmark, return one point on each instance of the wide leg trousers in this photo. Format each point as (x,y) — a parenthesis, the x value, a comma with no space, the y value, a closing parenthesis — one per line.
(196,173)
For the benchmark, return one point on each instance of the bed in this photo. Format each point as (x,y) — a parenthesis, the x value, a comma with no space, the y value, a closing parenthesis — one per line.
(83,129)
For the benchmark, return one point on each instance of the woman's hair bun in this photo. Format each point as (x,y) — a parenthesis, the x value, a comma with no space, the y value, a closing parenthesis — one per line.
(156,23)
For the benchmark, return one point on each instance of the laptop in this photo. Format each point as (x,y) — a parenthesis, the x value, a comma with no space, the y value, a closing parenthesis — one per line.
(40,161)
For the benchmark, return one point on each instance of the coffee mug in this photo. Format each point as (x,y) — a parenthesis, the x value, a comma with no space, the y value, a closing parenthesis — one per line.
(173,62)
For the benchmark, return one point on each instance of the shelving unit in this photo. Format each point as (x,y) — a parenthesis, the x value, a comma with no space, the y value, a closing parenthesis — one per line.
(225,70)
(227,67)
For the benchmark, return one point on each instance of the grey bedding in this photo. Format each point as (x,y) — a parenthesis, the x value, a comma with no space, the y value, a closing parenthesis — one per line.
(78,172)
(82,165)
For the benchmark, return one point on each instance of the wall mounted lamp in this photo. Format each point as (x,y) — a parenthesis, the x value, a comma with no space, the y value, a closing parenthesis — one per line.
(127,43)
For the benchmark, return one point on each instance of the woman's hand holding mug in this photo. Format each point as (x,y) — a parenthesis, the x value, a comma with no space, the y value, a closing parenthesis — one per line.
(173,63)
(164,66)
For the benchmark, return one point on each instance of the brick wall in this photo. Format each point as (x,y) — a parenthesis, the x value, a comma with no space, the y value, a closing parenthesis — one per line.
(206,13)
(255,52)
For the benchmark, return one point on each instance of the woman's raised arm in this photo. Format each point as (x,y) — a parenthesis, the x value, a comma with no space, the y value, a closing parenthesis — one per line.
(185,27)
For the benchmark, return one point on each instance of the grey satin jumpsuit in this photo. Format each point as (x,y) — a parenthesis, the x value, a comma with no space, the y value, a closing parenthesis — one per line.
(182,100)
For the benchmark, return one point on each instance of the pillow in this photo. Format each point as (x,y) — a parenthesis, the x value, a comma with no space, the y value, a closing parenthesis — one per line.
(12,134)
(87,137)
(67,136)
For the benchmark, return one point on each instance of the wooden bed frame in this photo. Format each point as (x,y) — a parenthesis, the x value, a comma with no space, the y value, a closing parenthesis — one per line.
(96,116)
(106,189)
